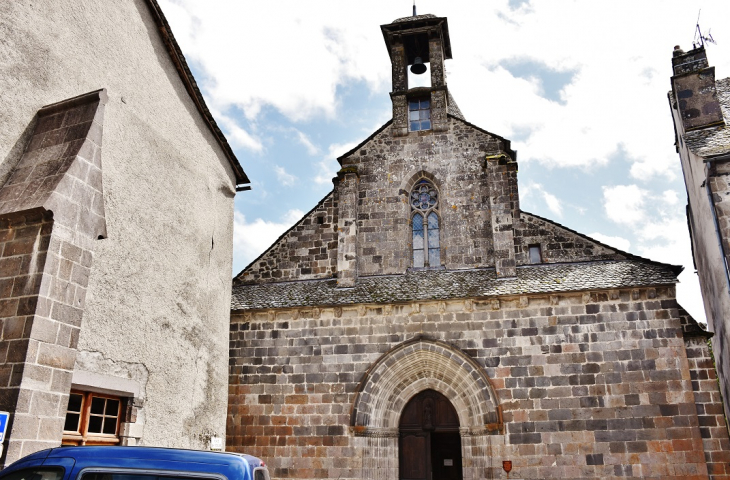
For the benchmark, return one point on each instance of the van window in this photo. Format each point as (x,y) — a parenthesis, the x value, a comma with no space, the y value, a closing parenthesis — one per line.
(141,476)
(45,473)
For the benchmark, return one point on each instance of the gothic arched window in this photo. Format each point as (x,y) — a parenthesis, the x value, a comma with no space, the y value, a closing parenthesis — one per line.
(425,225)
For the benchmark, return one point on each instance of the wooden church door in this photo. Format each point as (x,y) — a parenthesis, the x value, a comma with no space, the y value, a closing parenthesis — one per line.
(430,444)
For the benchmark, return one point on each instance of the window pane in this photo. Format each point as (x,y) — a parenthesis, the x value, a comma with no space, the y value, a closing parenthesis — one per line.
(97,405)
(433,222)
(74,402)
(425,125)
(418,258)
(72,422)
(38,473)
(110,425)
(425,104)
(424,115)
(94,424)
(434,257)
(112,407)
(417,222)
(413,105)
(535,256)
(117,476)
(413,116)
(417,239)
(415,126)
(433,239)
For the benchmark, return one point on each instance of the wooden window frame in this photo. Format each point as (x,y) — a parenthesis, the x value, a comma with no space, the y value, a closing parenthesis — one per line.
(83,436)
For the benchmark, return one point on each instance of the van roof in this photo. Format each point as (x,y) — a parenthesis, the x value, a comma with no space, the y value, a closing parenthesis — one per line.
(145,458)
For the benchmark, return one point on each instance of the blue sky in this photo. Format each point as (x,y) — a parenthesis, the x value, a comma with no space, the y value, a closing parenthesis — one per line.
(578,86)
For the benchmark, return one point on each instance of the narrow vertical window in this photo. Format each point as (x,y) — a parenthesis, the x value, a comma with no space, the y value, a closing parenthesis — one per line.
(425,225)
(418,257)
(535,254)
(419,114)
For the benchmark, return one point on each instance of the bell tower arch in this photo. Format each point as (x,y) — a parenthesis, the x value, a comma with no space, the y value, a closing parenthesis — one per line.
(412,42)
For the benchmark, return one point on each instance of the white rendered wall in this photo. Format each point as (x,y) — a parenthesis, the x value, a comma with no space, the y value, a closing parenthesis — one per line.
(159,292)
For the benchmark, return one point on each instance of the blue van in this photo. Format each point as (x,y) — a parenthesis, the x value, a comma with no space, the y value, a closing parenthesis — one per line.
(134,463)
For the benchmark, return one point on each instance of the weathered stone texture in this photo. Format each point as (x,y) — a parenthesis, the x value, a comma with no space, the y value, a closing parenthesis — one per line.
(308,250)
(593,384)
(708,402)
(389,166)
(558,244)
(477,185)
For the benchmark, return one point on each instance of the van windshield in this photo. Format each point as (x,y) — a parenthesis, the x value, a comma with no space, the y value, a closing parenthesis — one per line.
(44,473)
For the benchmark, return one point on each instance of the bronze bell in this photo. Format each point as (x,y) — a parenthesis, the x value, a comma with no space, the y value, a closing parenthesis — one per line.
(418,66)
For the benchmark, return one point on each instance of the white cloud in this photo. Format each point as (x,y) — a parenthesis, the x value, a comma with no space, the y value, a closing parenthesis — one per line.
(284,177)
(624,204)
(237,136)
(617,242)
(251,239)
(552,202)
(296,56)
(288,55)
(670,197)
(328,166)
(311,148)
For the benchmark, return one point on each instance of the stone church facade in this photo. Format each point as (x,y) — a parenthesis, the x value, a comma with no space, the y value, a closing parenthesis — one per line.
(116,213)
(417,324)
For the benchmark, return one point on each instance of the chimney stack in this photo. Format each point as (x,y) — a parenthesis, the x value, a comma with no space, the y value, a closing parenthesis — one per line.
(693,85)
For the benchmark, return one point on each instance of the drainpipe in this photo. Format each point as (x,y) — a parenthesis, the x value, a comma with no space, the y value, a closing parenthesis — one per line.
(714,217)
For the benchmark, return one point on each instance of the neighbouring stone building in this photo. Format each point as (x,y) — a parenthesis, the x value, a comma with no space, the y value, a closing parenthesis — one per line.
(700,108)
(417,324)
(116,214)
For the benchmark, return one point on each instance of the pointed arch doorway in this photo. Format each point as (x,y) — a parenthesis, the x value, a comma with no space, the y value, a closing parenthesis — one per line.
(430,443)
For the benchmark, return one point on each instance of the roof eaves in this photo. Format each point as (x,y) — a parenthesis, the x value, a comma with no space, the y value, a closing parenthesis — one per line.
(372,135)
(178,59)
(507,142)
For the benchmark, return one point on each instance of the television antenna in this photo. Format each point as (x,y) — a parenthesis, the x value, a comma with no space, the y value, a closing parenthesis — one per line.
(700,39)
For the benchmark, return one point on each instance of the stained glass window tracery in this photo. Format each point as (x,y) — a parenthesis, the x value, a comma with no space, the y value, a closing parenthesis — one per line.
(425,225)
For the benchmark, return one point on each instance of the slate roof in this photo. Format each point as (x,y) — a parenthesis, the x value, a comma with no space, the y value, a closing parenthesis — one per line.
(444,284)
(454,109)
(713,141)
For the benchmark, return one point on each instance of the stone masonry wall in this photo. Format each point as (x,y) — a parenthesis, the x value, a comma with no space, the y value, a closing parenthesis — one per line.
(710,411)
(308,250)
(24,244)
(478,199)
(592,384)
(44,313)
(388,166)
(558,244)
